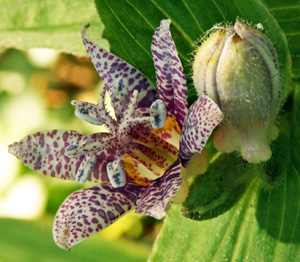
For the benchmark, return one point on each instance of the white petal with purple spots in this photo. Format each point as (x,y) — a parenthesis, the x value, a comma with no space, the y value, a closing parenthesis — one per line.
(44,152)
(88,211)
(170,78)
(159,193)
(203,116)
(111,68)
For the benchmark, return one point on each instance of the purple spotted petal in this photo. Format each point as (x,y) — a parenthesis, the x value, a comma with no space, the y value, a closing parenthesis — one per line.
(139,152)
(203,116)
(88,211)
(170,78)
(159,193)
(144,136)
(112,68)
(44,153)
(100,171)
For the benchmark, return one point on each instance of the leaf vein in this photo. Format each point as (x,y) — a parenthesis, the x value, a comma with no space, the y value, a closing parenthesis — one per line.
(139,12)
(192,14)
(284,7)
(282,217)
(126,29)
(219,10)
(242,229)
(298,210)
(190,41)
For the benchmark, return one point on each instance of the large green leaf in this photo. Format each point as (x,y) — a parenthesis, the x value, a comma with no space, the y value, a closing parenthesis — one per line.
(287,15)
(28,241)
(130,25)
(218,190)
(264,224)
(49,24)
(256,217)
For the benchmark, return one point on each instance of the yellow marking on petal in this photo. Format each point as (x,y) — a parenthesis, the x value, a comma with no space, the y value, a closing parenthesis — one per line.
(170,132)
(135,170)
(161,165)
(170,125)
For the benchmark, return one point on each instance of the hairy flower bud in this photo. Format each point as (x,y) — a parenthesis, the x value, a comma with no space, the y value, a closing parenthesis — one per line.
(238,68)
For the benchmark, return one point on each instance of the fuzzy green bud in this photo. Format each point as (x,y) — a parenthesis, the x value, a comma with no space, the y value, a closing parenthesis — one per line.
(238,68)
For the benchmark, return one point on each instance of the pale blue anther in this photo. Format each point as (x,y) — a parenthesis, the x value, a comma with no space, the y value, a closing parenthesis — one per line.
(120,92)
(85,169)
(158,114)
(88,116)
(71,149)
(117,175)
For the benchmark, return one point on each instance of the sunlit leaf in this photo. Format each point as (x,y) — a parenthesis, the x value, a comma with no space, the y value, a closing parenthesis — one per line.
(262,226)
(130,25)
(257,219)
(48,24)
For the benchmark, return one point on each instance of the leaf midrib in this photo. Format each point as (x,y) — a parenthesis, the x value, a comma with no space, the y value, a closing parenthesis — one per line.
(126,29)
(188,39)
(253,190)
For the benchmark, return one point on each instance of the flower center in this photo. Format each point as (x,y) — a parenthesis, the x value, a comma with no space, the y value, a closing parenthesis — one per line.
(130,133)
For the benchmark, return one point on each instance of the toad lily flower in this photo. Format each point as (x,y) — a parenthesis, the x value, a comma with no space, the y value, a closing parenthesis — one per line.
(138,162)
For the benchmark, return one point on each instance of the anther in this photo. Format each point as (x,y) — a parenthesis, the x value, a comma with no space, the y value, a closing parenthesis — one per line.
(120,92)
(158,114)
(85,169)
(86,112)
(117,175)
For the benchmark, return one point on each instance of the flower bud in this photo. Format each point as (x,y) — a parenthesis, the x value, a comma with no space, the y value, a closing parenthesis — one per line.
(238,68)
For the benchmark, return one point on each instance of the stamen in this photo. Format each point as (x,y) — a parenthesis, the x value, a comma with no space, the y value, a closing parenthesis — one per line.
(85,169)
(158,114)
(87,115)
(142,111)
(132,104)
(120,93)
(127,118)
(81,148)
(94,114)
(89,144)
(117,175)
(71,150)
(139,120)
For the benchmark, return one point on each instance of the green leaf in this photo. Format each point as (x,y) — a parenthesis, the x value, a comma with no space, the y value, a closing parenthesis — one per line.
(130,25)
(252,219)
(228,176)
(262,226)
(49,24)
(28,241)
(129,29)
(218,190)
(287,15)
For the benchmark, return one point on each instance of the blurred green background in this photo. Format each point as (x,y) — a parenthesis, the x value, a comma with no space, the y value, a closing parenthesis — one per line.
(36,88)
